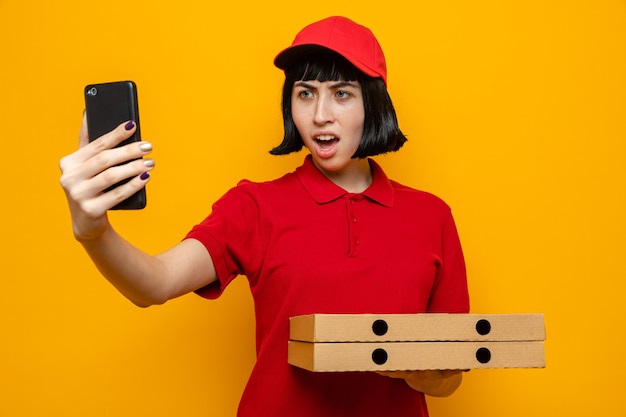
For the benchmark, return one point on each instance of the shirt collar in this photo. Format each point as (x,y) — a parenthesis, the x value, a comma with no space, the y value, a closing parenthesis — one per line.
(324,190)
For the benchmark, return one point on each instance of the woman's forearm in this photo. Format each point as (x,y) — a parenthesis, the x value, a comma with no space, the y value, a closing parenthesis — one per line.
(146,279)
(138,276)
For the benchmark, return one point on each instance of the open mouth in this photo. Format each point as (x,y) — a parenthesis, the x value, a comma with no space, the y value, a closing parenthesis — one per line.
(326,141)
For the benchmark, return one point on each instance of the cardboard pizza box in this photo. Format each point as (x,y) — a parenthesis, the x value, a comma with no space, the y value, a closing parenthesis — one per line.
(394,356)
(417,327)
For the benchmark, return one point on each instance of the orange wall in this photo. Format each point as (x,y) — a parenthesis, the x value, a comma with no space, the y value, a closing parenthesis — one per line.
(515,113)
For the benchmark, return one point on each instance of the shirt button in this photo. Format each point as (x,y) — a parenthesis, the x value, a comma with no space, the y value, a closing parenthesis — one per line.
(354,220)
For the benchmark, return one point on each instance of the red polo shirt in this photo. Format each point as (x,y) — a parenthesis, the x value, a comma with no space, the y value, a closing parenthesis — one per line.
(308,246)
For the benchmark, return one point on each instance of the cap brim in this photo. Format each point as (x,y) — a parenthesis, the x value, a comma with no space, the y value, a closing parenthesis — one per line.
(288,56)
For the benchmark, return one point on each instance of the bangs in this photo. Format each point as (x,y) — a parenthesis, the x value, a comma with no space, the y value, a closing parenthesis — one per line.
(324,67)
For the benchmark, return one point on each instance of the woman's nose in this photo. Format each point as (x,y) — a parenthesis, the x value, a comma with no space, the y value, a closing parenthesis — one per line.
(323,111)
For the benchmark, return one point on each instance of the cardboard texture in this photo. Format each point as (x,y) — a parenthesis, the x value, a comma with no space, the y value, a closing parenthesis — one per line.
(390,342)
(403,356)
(416,327)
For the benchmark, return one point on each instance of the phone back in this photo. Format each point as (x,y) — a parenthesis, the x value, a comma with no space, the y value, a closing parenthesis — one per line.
(107,105)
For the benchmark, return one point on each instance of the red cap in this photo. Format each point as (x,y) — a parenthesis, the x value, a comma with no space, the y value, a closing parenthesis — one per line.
(354,42)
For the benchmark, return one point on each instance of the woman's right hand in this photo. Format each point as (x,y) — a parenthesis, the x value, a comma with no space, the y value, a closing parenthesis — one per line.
(94,167)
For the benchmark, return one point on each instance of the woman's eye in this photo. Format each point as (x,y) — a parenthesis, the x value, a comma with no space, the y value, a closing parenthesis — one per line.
(305,94)
(342,94)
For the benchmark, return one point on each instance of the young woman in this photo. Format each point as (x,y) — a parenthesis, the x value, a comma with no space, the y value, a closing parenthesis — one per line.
(334,236)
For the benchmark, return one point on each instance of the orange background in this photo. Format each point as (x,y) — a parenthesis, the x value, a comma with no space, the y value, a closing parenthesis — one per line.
(515,115)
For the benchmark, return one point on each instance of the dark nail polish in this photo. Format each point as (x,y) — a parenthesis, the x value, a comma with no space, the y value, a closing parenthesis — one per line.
(129,125)
(144,176)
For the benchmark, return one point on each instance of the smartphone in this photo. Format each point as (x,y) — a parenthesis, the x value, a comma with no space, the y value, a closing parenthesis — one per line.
(106,106)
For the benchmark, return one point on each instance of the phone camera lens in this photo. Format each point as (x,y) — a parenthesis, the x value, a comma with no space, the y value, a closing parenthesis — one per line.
(92,91)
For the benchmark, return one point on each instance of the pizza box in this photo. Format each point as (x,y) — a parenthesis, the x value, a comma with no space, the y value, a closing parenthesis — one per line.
(395,356)
(416,327)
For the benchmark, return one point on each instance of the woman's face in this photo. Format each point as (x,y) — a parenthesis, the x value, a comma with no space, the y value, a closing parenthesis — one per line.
(329,116)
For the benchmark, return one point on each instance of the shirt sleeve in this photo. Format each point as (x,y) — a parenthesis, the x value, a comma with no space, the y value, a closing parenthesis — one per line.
(450,291)
(230,234)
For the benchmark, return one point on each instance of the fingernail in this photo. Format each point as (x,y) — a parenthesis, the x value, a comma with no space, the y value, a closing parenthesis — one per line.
(146,146)
(129,125)
(148,162)
(144,176)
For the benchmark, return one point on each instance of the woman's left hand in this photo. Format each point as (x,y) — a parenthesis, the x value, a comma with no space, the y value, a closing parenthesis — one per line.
(436,383)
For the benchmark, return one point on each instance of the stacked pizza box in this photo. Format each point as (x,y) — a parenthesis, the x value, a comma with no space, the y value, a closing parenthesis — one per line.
(390,342)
